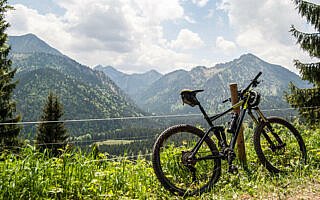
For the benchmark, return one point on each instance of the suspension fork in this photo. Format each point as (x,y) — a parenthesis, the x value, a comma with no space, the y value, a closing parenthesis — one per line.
(263,119)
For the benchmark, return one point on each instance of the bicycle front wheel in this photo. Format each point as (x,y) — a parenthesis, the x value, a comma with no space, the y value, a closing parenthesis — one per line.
(174,168)
(279,146)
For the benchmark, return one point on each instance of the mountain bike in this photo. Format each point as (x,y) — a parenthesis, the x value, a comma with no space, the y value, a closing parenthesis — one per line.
(187,161)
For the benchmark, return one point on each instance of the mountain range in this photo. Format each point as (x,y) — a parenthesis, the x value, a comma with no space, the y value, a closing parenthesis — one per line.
(161,94)
(104,91)
(84,92)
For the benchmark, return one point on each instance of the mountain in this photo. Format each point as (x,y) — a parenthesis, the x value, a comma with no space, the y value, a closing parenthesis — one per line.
(132,84)
(85,93)
(162,96)
(30,43)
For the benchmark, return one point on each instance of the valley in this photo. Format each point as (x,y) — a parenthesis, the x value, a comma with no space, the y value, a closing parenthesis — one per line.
(103,92)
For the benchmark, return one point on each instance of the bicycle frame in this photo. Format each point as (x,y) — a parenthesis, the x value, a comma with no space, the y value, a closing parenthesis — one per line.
(219,130)
(179,159)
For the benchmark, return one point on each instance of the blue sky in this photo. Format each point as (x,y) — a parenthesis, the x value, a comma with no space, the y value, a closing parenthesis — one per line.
(139,35)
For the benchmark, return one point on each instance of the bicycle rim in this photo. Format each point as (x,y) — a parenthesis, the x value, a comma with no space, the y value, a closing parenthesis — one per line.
(283,157)
(176,175)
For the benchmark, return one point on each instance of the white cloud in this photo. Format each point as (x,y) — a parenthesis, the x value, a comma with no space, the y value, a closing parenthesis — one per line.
(104,23)
(154,55)
(158,11)
(48,27)
(262,27)
(190,20)
(131,34)
(210,14)
(200,3)
(225,45)
(125,33)
(187,40)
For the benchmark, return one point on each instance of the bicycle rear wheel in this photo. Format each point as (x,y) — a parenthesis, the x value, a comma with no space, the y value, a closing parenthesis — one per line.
(279,146)
(173,169)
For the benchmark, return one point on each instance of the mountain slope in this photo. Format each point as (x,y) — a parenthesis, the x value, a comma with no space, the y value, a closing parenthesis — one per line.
(85,93)
(30,43)
(132,84)
(163,95)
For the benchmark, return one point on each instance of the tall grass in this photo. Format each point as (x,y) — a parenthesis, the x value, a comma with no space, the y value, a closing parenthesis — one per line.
(79,175)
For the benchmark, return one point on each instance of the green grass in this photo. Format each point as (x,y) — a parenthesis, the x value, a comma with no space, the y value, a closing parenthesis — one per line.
(77,175)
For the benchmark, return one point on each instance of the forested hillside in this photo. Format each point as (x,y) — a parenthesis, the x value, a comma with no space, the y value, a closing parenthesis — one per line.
(85,93)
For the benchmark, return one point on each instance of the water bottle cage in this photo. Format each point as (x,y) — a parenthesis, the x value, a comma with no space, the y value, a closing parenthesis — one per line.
(233,123)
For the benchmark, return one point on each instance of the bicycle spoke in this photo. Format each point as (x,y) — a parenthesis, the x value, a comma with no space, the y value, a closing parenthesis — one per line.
(279,146)
(181,172)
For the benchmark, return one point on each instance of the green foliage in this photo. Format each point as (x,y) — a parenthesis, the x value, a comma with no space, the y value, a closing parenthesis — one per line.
(8,132)
(75,176)
(51,134)
(308,42)
(310,11)
(78,175)
(307,100)
(309,71)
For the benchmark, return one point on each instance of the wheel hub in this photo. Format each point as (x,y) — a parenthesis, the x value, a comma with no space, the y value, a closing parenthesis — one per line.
(187,160)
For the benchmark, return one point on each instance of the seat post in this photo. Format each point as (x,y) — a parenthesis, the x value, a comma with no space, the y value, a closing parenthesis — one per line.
(205,115)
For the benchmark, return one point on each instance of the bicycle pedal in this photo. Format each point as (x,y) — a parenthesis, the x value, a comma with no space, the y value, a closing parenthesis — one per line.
(233,169)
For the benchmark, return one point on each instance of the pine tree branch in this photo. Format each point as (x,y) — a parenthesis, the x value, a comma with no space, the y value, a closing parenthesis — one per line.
(310,11)
(308,41)
(309,71)
(307,101)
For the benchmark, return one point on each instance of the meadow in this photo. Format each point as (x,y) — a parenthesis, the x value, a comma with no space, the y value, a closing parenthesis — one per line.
(76,174)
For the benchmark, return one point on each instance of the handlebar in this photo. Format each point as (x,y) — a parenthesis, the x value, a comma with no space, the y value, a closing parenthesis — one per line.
(258,75)
(253,83)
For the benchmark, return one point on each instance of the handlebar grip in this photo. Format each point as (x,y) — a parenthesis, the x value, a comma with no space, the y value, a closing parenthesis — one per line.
(258,75)
(226,100)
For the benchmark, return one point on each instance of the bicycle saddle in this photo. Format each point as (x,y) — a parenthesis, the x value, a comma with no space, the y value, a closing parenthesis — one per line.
(189,97)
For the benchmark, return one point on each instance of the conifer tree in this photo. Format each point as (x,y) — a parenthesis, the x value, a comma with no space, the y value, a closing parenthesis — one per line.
(307,100)
(8,132)
(51,134)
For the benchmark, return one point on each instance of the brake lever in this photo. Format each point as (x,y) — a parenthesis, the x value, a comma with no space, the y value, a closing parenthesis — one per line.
(226,100)
(256,83)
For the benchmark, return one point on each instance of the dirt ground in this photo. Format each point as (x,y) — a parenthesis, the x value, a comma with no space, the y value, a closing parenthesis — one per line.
(311,191)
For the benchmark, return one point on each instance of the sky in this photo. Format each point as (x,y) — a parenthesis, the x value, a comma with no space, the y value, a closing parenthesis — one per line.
(140,35)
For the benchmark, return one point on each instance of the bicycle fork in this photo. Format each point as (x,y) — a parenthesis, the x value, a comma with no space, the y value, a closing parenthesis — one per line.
(263,119)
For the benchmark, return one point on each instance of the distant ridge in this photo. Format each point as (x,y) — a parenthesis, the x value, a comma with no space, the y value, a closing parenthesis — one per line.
(132,84)
(162,96)
(30,43)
